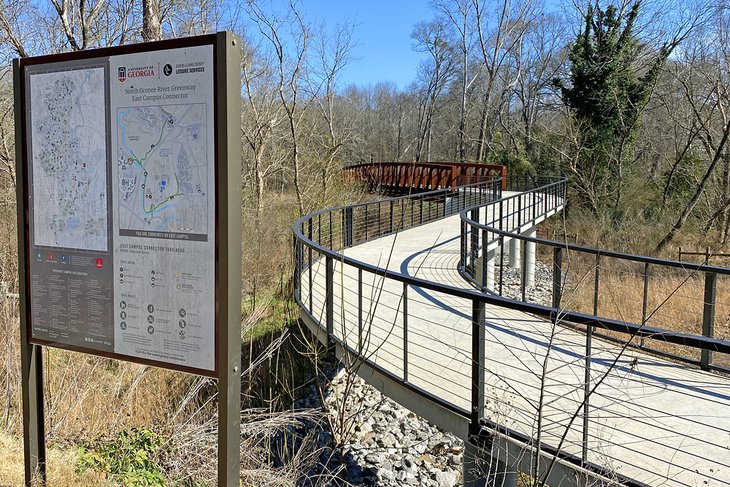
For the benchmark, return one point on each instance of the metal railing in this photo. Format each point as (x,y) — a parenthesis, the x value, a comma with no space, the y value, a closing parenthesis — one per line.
(578,275)
(382,313)
(423,176)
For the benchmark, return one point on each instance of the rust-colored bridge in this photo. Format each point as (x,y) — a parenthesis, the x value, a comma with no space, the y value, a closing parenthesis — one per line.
(400,177)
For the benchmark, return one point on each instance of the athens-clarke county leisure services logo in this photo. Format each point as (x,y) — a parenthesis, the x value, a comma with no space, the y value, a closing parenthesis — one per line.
(140,72)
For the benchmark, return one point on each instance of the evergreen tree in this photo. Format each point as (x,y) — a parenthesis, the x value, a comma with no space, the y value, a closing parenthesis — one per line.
(607,96)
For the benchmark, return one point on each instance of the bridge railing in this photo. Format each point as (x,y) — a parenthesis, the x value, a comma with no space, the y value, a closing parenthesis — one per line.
(423,176)
(410,328)
(651,293)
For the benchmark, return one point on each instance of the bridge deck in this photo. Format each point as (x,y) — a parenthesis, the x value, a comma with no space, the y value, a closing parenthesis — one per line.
(649,419)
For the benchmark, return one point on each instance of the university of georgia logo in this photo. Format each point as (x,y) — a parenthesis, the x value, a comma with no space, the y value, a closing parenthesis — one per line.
(122,74)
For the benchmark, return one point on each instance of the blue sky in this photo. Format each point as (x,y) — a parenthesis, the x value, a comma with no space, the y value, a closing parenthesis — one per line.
(383,50)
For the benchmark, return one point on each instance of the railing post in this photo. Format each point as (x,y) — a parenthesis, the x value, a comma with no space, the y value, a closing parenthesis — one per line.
(645,299)
(421,210)
(413,212)
(519,213)
(329,299)
(405,332)
(485,266)
(309,270)
(501,262)
(380,220)
(462,245)
(446,193)
(587,393)
(391,216)
(477,366)
(359,310)
(348,227)
(557,276)
(708,316)
(475,239)
(297,270)
(596,284)
(501,215)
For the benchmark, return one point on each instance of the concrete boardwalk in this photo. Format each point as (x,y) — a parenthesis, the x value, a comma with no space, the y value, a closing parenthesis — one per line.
(649,419)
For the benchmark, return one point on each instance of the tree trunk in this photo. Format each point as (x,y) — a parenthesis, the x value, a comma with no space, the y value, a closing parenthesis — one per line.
(696,196)
(151,27)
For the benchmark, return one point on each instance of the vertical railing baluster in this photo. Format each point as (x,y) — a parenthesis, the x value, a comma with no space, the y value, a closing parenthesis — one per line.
(367,223)
(475,241)
(421,210)
(359,310)
(477,366)
(484,270)
(462,246)
(557,276)
(413,219)
(391,217)
(596,284)
(297,269)
(380,220)
(645,299)
(343,227)
(309,252)
(587,392)
(501,262)
(405,332)
(329,299)
(523,281)
(708,316)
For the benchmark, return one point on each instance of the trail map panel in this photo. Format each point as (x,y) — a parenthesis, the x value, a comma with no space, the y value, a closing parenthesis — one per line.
(68,149)
(164,225)
(163,169)
(69,158)
(121,203)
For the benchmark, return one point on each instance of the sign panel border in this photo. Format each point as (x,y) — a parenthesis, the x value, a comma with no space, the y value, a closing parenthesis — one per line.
(223,197)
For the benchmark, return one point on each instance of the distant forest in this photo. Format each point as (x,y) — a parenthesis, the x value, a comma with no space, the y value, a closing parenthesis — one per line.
(627,98)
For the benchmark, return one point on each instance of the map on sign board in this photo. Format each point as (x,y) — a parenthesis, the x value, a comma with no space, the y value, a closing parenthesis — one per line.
(69,159)
(163,168)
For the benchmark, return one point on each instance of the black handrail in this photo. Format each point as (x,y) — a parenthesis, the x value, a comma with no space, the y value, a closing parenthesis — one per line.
(557,190)
(501,227)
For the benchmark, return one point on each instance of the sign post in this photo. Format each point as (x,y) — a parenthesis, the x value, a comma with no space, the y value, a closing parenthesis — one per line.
(129,217)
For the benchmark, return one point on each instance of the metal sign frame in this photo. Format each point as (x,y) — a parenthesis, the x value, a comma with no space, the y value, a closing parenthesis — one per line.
(227,100)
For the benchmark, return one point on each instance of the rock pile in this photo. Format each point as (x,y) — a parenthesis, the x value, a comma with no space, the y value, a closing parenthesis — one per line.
(542,290)
(384,443)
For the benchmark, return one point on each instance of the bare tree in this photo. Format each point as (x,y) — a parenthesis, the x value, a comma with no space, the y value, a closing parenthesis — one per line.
(435,74)
(333,55)
(151,22)
(500,27)
(291,61)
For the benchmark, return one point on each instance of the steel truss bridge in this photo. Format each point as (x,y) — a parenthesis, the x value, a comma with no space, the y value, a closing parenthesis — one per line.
(560,363)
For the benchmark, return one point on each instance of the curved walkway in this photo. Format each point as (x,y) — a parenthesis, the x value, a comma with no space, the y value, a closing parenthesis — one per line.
(650,420)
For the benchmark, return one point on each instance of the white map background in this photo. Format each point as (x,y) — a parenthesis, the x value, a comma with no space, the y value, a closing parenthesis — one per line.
(69,155)
(163,165)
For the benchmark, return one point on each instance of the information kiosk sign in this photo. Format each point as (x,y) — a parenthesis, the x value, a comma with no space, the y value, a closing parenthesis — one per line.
(129,202)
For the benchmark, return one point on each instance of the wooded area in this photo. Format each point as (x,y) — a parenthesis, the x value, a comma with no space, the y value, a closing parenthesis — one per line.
(628,98)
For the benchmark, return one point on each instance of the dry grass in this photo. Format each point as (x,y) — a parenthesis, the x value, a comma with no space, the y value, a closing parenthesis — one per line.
(61,467)
(675,299)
